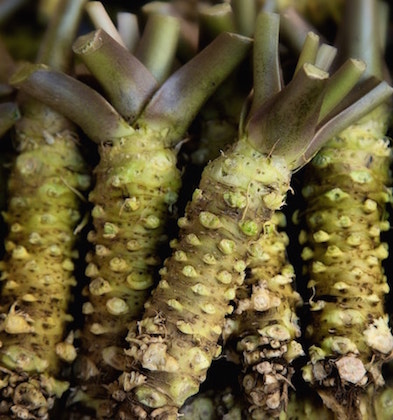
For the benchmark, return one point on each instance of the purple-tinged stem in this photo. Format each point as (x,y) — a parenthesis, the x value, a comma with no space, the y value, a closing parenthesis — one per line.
(294,29)
(172,108)
(359,39)
(75,100)
(291,115)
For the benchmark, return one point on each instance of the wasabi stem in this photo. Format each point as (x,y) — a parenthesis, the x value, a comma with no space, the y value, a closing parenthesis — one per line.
(79,103)
(54,49)
(264,327)
(346,190)
(213,20)
(346,78)
(244,13)
(101,20)
(294,29)
(309,51)
(45,185)
(128,28)
(266,64)
(158,45)
(46,9)
(314,121)
(172,346)
(188,39)
(325,56)
(179,111)
(364,30)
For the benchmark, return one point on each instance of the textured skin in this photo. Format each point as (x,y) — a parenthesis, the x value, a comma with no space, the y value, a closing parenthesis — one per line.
(382,402)
(136,185)
(346,193)
(173,345)
(264,326)
(38,268)
(213,405)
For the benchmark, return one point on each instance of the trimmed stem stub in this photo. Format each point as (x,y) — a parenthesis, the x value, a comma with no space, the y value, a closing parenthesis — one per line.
(269,129)
(126,81)
(313,107)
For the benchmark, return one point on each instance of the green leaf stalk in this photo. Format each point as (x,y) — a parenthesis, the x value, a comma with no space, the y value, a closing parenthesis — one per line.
(158,45)
(185,12)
